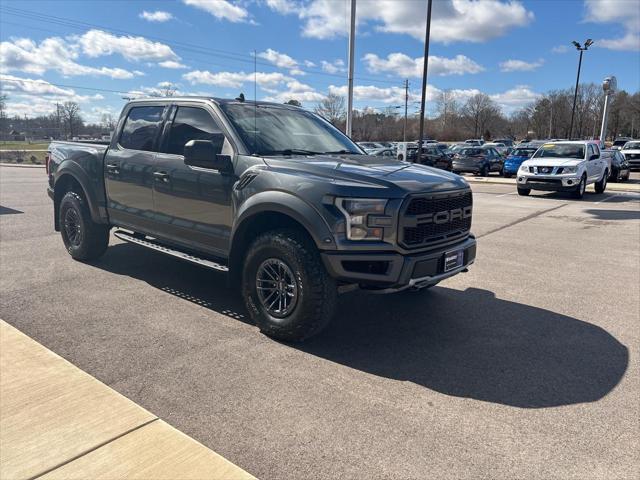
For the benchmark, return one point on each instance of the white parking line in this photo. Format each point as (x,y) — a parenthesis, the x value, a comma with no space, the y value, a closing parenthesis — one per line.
(505,194)
(608,198)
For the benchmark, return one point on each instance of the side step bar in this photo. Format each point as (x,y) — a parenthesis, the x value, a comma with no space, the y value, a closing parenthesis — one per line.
(144,242)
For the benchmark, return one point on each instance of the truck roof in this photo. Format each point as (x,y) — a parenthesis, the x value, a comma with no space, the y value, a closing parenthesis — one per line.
(212,99)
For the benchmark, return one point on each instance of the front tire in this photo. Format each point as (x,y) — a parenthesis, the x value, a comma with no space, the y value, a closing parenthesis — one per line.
(286,288)
(580,189)
(83,238)
(524,192)
(601,185)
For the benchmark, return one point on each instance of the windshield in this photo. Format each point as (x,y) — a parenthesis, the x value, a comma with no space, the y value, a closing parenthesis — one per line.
(631,146)
(524,152)
(561,150)
(275,130)
(620,142)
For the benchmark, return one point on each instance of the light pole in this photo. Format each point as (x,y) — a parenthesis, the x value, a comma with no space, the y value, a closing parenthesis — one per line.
(581,49)
(609,86)
(352,42)
(424,77)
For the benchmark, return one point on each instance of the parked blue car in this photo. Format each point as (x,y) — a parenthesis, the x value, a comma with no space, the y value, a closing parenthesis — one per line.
(515,159)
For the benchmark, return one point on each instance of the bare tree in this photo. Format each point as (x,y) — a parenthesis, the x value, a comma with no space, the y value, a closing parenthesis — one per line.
(108,122)
(70,113)
(480,111)
(331,108)
(3,108)
(447,108)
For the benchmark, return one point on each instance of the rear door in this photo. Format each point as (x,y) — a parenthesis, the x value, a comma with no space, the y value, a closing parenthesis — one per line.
(193,204)
(128,167)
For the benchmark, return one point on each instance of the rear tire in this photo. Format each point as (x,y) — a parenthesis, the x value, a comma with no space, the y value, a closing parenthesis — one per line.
(601,185)
(83,238)
(506,175)
(484,172)
(524,192)
(286,264)
(580,189)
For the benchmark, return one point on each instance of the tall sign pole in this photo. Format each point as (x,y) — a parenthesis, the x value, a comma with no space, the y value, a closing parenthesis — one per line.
(609,85)
(352,40)
(424,77)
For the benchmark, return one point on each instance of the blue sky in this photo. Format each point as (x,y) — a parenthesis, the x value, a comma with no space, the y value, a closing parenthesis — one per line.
(96,52)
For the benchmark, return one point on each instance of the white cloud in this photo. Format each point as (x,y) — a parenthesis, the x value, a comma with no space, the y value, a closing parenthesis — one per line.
(282,6)
(624,12)
(452,20)
(32,97)
(96,43)
(221,9)
(520,65)
(266,81)
(515,98)
(281,60)
(157,16)
(297,91)
(172,64)
(560,49)
(403,65)
(337,66)
(309,64)
(53,53)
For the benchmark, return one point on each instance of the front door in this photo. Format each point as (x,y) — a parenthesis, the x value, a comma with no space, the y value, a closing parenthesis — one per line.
(192,204)
(128,168)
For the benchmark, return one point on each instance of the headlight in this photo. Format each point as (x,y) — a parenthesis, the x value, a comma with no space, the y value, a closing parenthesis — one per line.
(570,170)
(364,217)
(524,168)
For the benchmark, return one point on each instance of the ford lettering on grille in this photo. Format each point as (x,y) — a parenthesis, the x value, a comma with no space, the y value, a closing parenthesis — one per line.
(434,219)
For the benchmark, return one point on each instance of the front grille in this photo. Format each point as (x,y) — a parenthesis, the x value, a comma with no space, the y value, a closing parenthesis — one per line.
(417,225)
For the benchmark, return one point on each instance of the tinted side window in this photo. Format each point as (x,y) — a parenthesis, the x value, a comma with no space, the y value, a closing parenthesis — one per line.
(589,151)
(192,123)
(141,127)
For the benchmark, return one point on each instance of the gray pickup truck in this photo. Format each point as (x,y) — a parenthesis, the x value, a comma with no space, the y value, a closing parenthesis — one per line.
(289,207)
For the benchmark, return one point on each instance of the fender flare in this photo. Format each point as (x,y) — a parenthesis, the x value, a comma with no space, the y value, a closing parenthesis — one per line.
(71,168)
(290,205)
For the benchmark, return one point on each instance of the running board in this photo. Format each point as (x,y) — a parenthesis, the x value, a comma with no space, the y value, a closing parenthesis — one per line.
(144,242)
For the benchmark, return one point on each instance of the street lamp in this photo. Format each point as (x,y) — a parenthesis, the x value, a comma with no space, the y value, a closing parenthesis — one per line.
(581,49)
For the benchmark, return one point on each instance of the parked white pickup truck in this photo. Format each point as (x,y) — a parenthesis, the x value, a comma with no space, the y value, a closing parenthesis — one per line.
(564,166)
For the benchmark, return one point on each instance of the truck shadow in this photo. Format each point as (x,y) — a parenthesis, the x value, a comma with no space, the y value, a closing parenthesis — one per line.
(462,343)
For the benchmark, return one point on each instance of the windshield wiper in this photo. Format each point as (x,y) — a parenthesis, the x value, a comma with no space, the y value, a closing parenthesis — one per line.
(290,151)
(337,152)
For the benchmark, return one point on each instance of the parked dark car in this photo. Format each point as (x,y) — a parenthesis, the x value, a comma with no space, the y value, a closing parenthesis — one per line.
(620,168)
(431,157)
(478,160)
(507,141)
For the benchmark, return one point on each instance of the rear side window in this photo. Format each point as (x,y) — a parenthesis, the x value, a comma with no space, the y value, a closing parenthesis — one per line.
(141,127)
(191,123)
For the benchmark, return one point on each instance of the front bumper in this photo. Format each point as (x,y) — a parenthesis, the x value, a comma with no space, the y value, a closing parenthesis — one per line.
(553,183)
(392,272)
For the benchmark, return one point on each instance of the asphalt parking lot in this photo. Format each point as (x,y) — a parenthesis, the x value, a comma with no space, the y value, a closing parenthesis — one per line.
(525,367)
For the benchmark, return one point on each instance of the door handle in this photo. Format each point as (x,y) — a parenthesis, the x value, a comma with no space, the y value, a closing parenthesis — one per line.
(113,168)
(161,176)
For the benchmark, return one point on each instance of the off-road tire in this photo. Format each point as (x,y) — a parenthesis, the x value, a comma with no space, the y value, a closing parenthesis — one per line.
(317,291)
(601,185)
(524,191)
(578,192)
(484,172)
(94,237)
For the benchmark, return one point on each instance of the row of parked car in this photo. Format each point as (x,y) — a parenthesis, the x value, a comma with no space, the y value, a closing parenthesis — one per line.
(501,156)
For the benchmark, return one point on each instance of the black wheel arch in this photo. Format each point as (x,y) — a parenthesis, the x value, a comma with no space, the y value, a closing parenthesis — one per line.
(75,180)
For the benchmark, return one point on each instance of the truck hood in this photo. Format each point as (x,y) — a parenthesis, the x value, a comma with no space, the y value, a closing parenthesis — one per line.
(553,162)
(370,171)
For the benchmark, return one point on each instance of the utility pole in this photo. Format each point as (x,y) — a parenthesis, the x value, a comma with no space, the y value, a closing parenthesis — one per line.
(406,104)
(581,49)
(550,117)
(424,77)
(352,39)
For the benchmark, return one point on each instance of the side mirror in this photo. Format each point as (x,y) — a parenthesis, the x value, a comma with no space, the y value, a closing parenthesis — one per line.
(593,157)
(206,154)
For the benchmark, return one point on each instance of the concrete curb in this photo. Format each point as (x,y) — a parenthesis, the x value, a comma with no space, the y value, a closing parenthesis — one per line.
(20,165)
(613,187)
(58,422)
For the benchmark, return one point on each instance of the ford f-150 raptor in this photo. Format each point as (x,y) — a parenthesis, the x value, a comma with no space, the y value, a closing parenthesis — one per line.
(274,195)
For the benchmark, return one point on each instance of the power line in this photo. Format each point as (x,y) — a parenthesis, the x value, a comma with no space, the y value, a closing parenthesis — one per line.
(220,53)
